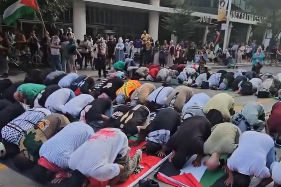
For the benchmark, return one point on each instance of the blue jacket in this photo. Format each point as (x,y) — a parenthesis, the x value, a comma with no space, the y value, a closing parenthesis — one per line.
(257,58)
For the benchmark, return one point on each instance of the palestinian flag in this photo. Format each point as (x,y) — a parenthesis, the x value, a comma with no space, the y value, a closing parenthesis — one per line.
(189,176)
(18,10)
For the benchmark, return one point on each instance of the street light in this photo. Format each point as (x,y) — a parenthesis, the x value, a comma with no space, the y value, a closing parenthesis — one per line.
(225,40)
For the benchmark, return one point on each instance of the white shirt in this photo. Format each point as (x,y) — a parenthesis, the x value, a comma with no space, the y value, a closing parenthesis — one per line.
(196,100)
(56,101)
(76,105)
(162,96)
(250,156)
(256,82)
(276,172)
(109,143)
(214,79)
(55,41)
(58,149)
(85,46)
(67,80)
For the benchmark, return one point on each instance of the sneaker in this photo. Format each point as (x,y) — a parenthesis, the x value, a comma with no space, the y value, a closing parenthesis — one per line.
(148,183)
(135,161)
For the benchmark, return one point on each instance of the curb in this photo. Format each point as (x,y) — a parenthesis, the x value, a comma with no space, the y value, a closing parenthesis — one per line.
(225,67)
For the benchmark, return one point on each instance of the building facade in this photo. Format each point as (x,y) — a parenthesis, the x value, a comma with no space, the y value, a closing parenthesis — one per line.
(128,18)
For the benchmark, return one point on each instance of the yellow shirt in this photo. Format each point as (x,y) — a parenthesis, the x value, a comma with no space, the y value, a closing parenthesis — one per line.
(221,102)
(144,38)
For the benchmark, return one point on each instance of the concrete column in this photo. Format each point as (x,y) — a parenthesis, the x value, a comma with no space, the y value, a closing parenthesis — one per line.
(205,35)
(249,30)
(79,19)
(153,25)
(153,21)
(174,38)
(155,2)
(229,34)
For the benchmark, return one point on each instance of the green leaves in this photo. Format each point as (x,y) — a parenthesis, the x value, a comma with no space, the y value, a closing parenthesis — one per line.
(180,23)
(50,9)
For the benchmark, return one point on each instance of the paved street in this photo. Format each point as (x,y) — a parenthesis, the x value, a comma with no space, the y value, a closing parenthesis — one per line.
(10,178)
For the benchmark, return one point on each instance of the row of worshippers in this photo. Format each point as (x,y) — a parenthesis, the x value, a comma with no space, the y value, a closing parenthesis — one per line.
(216,115)
(48,153)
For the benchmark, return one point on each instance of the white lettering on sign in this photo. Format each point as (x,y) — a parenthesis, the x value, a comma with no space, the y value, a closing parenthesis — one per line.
(205,19)
(246,16)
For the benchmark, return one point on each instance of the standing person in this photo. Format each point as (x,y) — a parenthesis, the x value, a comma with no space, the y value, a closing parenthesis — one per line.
(44,43)
(171,54)
(249,53)
(110,51)
(178,53)
(55,52)
(72,51)
(69,31)
(85,45)
(258,60)
(64,60)
(191,52)
(94,54)
(240,51)
(138,43)
(119,51)
(101,66)
(33,43)
(4,50)
(148,53)
(20,42)
(145,37)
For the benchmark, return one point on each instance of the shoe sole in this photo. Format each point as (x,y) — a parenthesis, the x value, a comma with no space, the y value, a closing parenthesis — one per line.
(136,159)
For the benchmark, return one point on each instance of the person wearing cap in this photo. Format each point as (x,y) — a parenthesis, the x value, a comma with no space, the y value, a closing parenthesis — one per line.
(223,140)
(252,158)
(140,95)
(97,113)
(179,97)
(194,107)
(54,154)
(124,93)
(160,129)
(56,101)
(13,131)
(31,142)
(26,93)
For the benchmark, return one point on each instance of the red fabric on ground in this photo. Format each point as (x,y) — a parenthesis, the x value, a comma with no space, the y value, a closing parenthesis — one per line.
(186,178)
(147,162)
(150,66)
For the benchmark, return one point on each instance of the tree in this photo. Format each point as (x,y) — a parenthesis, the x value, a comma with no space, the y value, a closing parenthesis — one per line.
(271,9)
(181,23)
(50,9)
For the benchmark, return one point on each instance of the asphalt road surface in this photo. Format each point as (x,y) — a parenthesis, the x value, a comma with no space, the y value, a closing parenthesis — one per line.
(12,178)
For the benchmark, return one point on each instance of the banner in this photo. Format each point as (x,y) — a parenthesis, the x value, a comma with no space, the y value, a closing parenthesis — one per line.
(222,8)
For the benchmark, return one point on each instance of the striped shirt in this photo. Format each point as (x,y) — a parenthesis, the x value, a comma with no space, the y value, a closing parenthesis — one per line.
(58,149)
(56,101)
(77,104)
(95,158)
(14,131)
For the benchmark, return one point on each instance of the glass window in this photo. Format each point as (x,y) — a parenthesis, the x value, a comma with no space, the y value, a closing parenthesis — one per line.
(97,15)
(88,15)
(101,12)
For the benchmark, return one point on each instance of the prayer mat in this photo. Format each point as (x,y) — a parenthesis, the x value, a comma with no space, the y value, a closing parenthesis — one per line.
(188,176)
(147,165)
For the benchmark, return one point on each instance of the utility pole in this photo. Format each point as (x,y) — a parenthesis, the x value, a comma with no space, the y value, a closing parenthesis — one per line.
(225,40)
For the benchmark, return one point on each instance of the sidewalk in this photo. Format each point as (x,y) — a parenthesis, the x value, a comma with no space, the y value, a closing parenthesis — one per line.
(222,66)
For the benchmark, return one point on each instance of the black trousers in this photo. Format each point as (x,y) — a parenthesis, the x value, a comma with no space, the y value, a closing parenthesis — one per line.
(100,65)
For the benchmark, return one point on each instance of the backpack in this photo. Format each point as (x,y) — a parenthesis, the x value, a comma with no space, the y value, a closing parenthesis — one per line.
(247,88)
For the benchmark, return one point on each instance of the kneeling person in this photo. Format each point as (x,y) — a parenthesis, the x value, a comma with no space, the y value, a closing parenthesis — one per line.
(32,141)
(113,164)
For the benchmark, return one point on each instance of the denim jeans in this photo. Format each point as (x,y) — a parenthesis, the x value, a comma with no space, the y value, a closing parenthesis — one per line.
(96,125)
(56,62)
(63,62)
(270,158)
